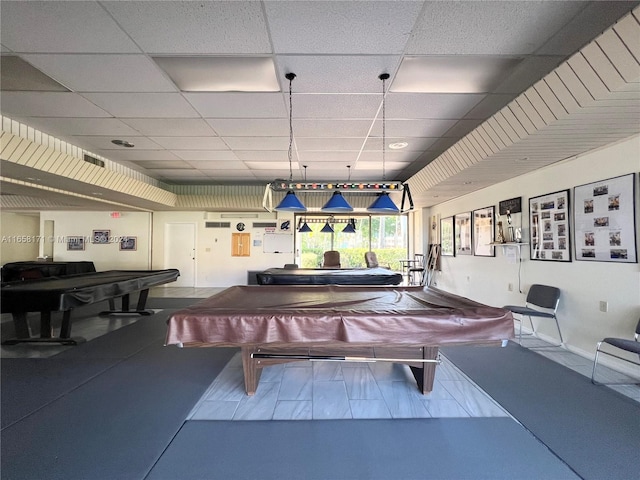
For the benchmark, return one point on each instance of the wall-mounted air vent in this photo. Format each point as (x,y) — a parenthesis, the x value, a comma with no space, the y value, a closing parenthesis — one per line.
(95,161)
(217,224)
(264,224)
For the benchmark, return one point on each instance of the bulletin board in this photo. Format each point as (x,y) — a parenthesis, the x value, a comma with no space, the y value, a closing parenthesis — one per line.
(277,243)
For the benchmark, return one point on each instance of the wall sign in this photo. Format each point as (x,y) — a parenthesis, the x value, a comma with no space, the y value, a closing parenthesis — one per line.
(604,214)
(513,205)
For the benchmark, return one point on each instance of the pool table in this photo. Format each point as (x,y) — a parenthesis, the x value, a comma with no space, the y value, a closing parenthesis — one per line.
(63,294)
(325,276)
(277,324)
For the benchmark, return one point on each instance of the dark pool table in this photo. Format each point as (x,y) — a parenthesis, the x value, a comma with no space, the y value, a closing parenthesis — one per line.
(275,324)
(63,294)
(324,276)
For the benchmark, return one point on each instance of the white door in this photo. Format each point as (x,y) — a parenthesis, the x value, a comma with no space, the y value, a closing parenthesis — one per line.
(180,252)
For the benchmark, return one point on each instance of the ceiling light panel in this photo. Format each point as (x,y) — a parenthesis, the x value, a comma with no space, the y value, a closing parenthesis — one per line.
(452,74)
(221,74)
(18,75)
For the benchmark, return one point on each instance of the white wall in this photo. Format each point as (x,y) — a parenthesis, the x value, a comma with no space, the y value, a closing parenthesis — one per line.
(215,267)
(20,237)
(583,284)
(107,256)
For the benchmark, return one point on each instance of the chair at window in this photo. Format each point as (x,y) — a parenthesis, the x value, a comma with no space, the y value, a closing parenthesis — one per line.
(291,266)
(631,346)
(331,259)
(371,259)
(539,297)
(417,270)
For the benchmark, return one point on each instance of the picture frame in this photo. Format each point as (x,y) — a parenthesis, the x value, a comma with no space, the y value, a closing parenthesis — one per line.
(75,243)
(604,217)
(128,243)
(100,236)
(550,227)
(483,232)
(463,234)
(447,237)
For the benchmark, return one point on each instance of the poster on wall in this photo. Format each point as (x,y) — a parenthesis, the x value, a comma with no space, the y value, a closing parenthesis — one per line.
(446,236)
(604,214)
(463,233)
(483,235)
(550,227)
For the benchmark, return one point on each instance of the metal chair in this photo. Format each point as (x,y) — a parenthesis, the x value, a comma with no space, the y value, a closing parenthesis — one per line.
(331,259)
(418,270)
(541,296)
(632,346)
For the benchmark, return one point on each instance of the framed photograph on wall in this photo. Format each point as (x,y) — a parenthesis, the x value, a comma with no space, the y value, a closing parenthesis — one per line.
(446,237)
(128,243)
(462,230)
(604,214)
(100,236)
(75,243)
(483,233)
(549,227)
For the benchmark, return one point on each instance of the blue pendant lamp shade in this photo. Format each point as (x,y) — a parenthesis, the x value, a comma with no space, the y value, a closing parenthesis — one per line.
(290,203)
(337,204)
(350,228)
(304,228)
(327,228)
(383,204)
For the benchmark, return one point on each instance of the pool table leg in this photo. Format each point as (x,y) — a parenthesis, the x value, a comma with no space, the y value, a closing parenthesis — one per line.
(21,324)
(425,375)
(251,371)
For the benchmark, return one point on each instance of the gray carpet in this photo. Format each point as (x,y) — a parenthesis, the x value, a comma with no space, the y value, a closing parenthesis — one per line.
(593,428)
(105,409)
(400,449)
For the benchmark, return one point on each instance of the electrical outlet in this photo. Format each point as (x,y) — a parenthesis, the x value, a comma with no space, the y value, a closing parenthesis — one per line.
(510,287)
(604,306)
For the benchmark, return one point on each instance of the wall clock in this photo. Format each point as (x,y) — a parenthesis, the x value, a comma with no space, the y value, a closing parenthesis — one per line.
(240,226)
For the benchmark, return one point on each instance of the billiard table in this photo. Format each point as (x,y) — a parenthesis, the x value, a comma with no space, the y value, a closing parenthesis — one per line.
(275,324)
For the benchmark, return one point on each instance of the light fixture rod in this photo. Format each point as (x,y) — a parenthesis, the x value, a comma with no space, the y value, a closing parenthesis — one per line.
(290,76)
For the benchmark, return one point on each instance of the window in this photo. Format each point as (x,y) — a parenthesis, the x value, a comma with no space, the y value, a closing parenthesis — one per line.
(385,235)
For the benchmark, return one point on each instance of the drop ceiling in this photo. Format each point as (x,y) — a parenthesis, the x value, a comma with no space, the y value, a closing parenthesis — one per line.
(199,89)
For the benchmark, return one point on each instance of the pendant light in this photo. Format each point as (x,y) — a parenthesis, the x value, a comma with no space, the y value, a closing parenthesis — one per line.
(327,228)
(337,203)
(351,226)
(290,203)
(304,228)
(383,204)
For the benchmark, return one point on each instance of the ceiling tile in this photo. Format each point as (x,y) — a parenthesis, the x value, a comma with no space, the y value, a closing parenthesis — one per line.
(414,143)
(232,27)
(171,127)
(134,154)
(190,143)
(265,155)
(348,158)
(250,127)
(377,166)
(430,105)
(319,127)
(69,27)
(488,28)
(400,156)
(104,142)
(341,27)
(335,106)
(336,73)
(49,104)
(103,73)
(489,105)
(257,143)
(271,165)
(238,105)
(208,164)
(196,155)
(328,144)
(412,128)
(163,164)
(143,105)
